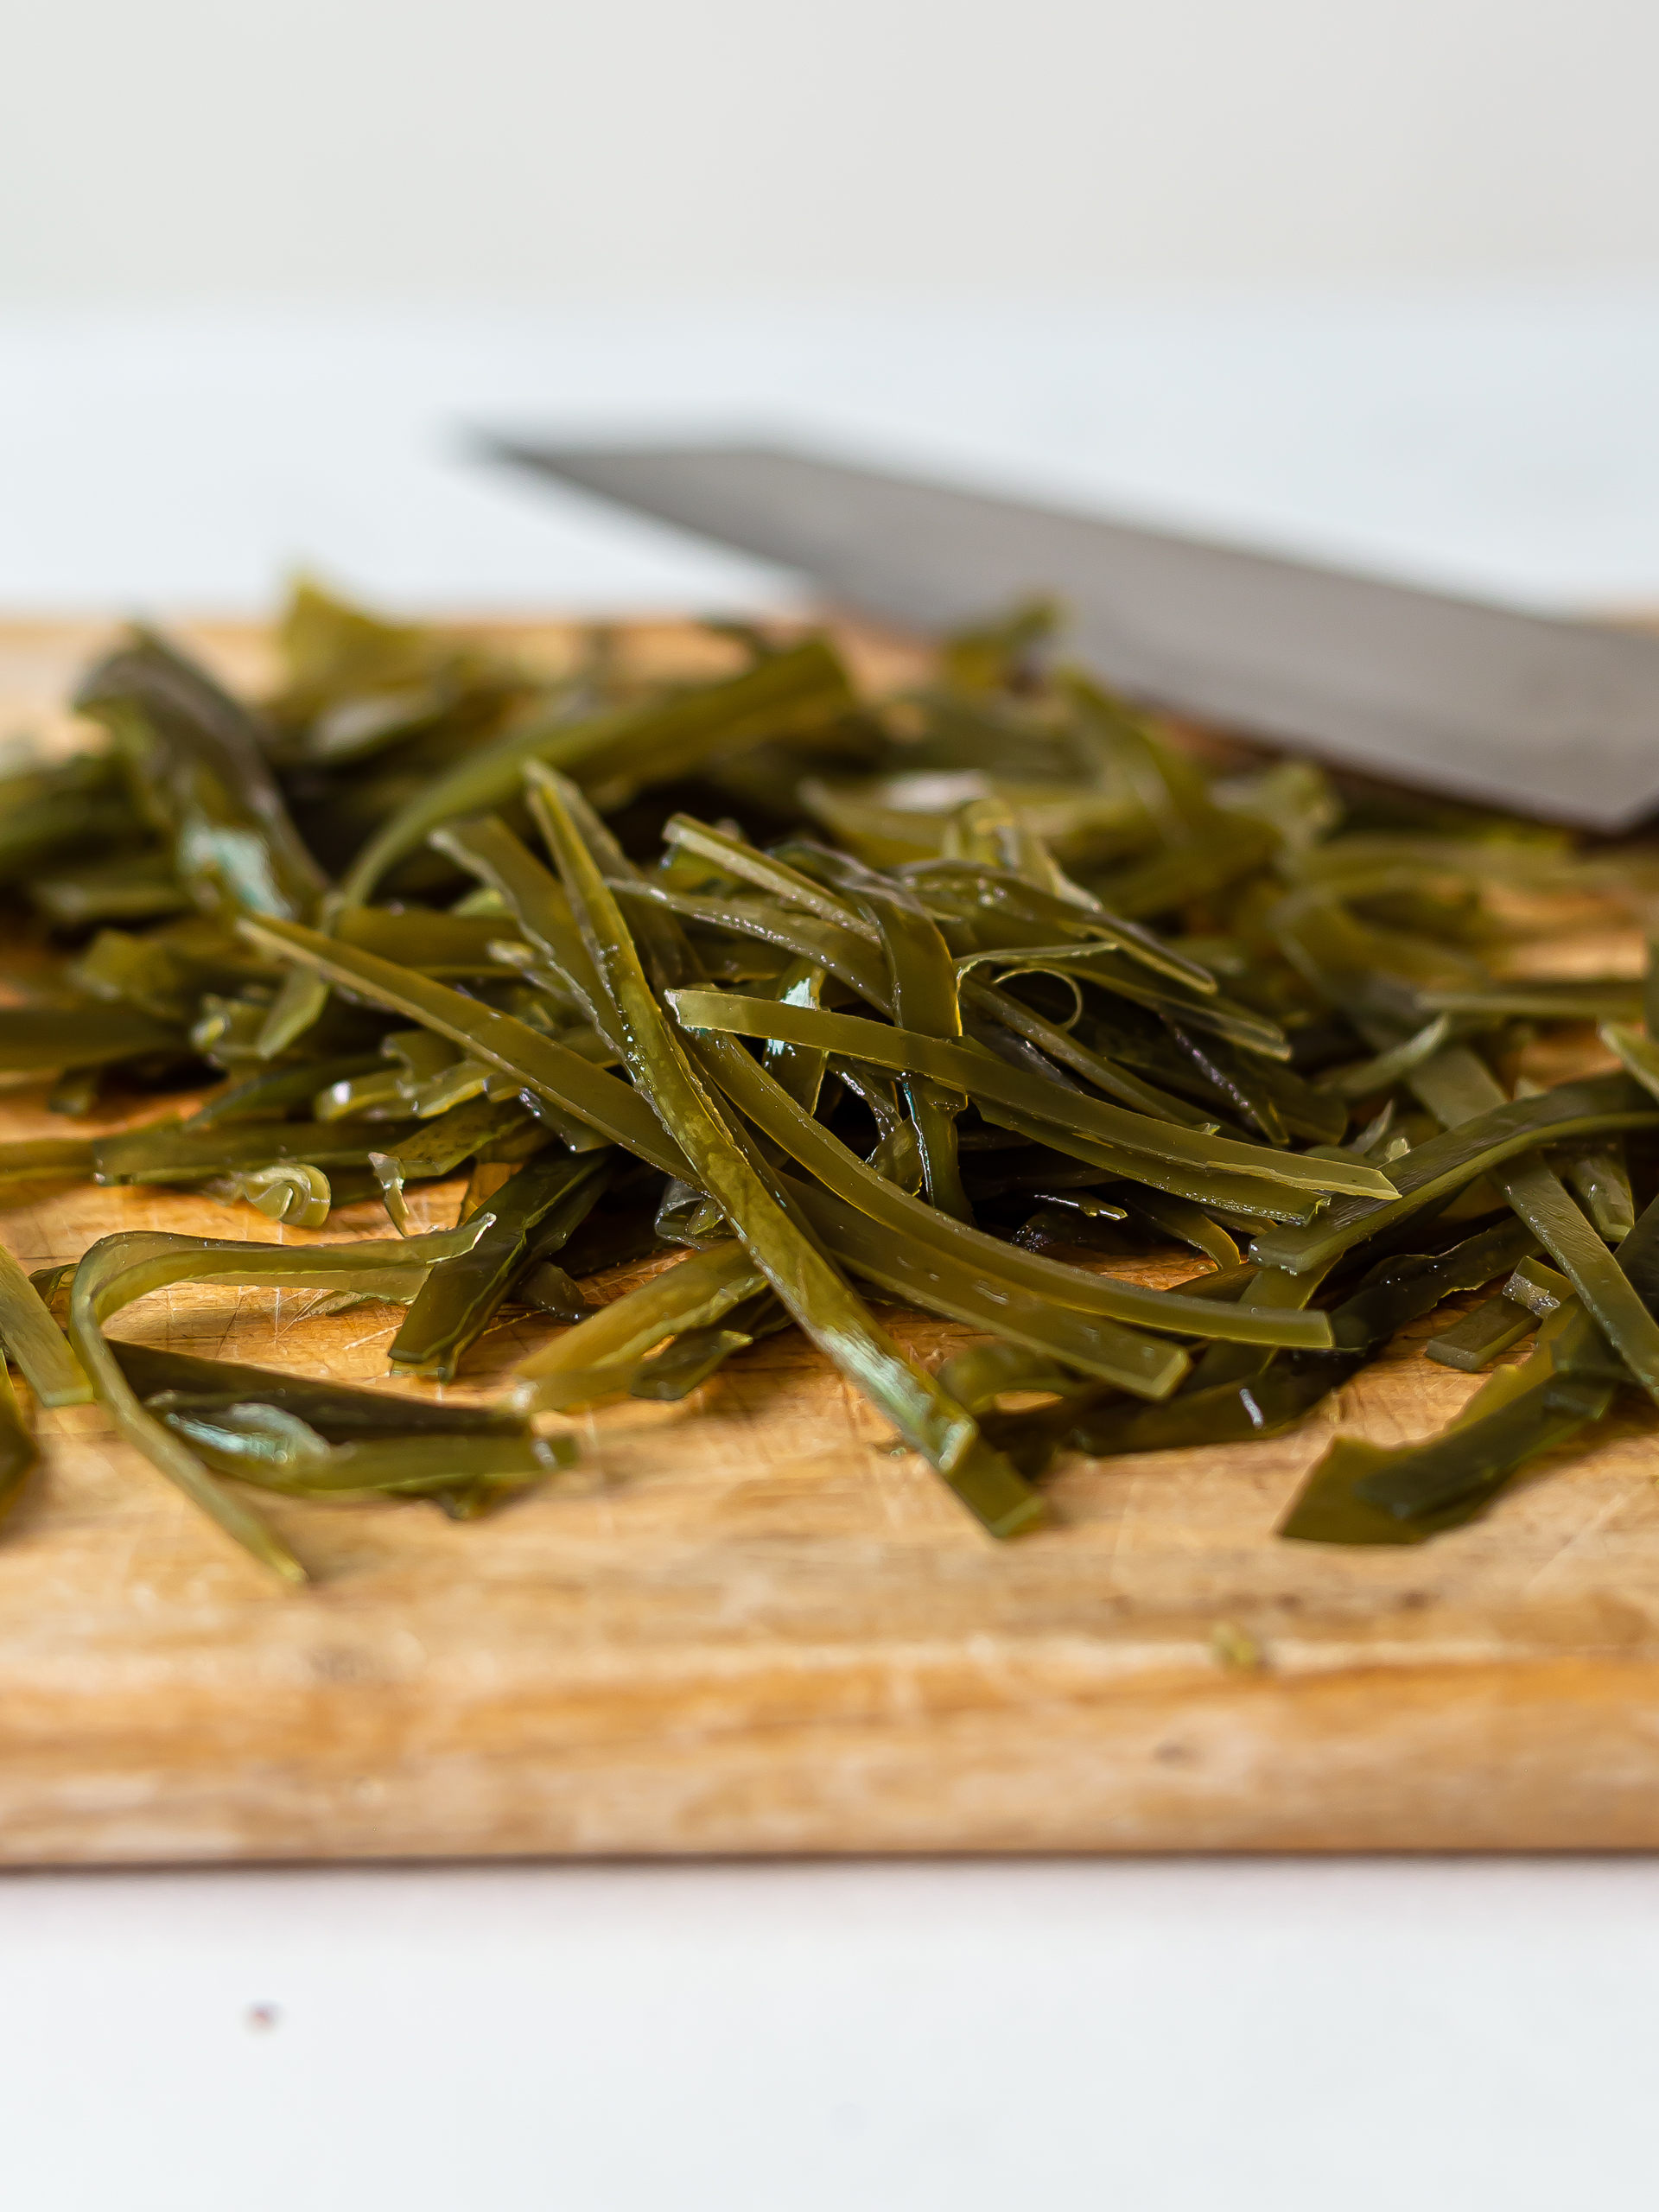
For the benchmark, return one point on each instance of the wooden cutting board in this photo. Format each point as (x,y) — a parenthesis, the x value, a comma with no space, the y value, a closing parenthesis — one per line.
(745,1625)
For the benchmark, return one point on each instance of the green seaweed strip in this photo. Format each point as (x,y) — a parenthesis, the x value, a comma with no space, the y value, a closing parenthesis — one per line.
(1273,1291)
(37,1038)
(1483,1335)
(1246,1196)
(196,755)
(906,1268)
(982,1075)
(120,1269)
(274,1093)
(606,1103)
(846,955)
(1229,1413)
(1364,1078)
(19,1450)
(1458,1087)
(1639,1054)
(979,1376)
(338,1411)
(1599,1175)
(1598,1106)
(1117,1083)
(462,1297)
(924,999)
(778,1117)
(1607,1292)
(775,877)
(34,1342)
(243,1441)
(174,1152)
(1186,1222)
(488,849)
(817,1295)
(598,1357)
(634,746)
(37,1158)
(1467,1463)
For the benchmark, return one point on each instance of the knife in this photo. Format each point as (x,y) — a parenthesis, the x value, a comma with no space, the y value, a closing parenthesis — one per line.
(1548,716)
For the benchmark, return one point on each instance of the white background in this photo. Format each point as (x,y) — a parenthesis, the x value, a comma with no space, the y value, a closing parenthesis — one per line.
(367,149)
(1069,2037)
(1378,281)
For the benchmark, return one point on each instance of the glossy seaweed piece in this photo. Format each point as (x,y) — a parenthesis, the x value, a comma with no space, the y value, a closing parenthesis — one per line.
(541,1205)
(1360,1494)
(987,1079)
(1484,1334)
(1601,1105)
(954,1243)
(80,806)
(121,1268)
(618,753)
(809,1285)
(19,1450)
(1227,1413)
(338,1411)
(604,1104)
(174,1152)
(39,1037)
(197,761)
(692,1358)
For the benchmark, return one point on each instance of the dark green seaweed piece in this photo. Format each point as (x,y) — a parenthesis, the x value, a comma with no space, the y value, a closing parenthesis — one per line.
(983,1076)
(438,945)
(689,1360)
(276,1450)
(842,1172)
(1598,1106)
(1483,1335)
(39,1159)
(983,1373)
(196,759)
(618,1112)
(1181,1219)
(1328,1509)
(809,1285)
(1600,1176)
(923,996)
(621,753)
(600,1356)
(1538,1287)
(462,1296)
(127,887)
(338,1411)
(1406,1287)
(1468,1463)
(1227,1413)
(905,1267)
(31,1339)
(1607,998)
(120,1269)
(172,1152)
(1060,1045)
(18,1449)
(41,1037)
(274,1093)
(79,806)
(1248,1200)
(784,885)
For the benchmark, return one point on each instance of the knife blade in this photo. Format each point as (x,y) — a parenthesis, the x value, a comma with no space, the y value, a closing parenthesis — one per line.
(1534,713)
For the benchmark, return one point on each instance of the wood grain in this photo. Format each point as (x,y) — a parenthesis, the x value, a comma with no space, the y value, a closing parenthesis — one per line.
(747,1625)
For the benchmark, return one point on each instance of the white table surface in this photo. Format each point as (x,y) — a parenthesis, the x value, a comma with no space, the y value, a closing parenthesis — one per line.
(1150,2037)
